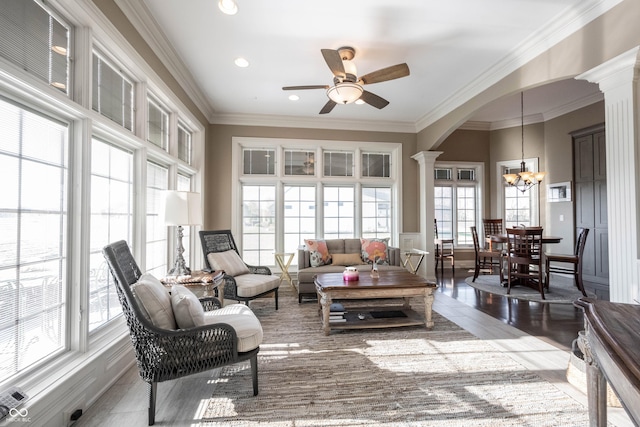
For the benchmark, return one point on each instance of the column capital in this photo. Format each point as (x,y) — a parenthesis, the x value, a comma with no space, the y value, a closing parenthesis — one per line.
(426,157)
(620,70)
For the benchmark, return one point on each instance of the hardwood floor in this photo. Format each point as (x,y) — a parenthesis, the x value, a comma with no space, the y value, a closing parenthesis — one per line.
(557,324)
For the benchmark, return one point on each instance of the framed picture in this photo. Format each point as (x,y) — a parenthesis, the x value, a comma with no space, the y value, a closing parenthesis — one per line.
(559,192)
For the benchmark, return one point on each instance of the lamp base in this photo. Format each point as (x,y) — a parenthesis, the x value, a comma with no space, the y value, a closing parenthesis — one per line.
(180,266)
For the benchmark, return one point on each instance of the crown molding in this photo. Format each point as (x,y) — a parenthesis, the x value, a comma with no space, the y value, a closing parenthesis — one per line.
(554,32)
(140,17)
(314,123)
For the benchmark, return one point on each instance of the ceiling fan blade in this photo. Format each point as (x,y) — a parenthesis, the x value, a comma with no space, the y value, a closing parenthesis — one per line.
(373,99)
(305,87)
(333,60)
(389,73)
(328,107)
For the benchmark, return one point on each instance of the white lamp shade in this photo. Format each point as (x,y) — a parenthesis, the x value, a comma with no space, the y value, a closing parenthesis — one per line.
(344,93)
(182,208)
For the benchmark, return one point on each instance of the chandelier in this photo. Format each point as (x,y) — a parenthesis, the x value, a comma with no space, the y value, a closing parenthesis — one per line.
(524,179)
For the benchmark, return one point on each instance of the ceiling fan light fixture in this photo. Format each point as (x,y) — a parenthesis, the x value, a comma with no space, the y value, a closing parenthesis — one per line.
(344,93)
(230,7)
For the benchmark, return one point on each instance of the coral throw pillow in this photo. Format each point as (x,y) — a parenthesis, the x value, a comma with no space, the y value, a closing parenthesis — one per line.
(318,252)
(375,250)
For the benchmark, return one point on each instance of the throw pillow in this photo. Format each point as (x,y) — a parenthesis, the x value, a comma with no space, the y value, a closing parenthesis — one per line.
(346,259)
(154,301)
(228,261)
(375,250)
(187,308)
(318,252)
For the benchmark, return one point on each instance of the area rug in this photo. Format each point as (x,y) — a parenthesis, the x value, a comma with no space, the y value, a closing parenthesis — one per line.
(562,290)
(381,377)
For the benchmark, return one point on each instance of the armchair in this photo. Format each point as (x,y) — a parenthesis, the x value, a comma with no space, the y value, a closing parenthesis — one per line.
(243,282)
(225,335)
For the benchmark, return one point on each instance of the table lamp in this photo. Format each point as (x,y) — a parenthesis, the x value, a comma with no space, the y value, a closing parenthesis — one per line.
(181,208)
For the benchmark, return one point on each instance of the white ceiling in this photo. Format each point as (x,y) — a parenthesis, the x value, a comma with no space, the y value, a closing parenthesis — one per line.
(454,49)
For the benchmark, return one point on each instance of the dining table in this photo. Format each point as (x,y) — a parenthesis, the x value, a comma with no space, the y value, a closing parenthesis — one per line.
(503,238)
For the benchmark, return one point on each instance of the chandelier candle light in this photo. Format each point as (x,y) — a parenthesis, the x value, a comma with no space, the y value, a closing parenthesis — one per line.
(523,180)
(181,208)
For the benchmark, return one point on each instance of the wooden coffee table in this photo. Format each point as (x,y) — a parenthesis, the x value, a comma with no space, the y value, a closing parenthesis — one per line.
(390,284)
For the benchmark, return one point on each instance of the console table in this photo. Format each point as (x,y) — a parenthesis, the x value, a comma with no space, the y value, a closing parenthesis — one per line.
(609,343)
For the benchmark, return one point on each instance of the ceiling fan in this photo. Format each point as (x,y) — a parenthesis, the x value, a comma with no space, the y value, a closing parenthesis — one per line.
(347,86)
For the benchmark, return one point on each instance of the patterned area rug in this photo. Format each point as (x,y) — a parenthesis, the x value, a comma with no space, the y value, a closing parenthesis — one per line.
(561,290)
(387,377)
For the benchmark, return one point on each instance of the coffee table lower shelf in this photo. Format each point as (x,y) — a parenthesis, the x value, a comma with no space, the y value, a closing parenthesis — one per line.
(378,317)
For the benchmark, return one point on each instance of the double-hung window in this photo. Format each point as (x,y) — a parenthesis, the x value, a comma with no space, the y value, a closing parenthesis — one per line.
(157,184)
(457,201)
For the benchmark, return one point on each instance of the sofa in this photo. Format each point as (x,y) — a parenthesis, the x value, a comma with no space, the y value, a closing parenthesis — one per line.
(342,254)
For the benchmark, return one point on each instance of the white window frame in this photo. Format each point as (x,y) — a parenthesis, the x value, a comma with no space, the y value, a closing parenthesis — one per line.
(453,182)
(534,192)
(317,180)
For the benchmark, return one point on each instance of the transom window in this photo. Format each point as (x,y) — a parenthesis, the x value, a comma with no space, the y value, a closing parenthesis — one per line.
(35,39)
(112,92)
(157,124)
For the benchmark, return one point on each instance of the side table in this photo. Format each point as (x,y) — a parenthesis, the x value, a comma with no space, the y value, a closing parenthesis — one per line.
(413,253)
(283,259)
(201,283)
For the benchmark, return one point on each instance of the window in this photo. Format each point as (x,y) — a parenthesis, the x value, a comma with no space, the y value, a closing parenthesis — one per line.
(258,224)
(111,220)
(259,162)
(339,212)
(299,215)
(375,164)
(32,38)
(519,208)
(157,125)
(338,163)
(457,200)
(299,189)
(299,162)
(157,183)
(33,215)
(184,144)
(376,212)
(112,93)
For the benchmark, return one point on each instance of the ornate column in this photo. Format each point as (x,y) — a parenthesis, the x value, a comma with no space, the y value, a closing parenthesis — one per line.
(618,80)
(426,181)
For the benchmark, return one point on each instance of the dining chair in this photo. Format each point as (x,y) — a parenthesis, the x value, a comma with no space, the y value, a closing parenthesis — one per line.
(524,251)
(443,249)
(490,228)
(495,258)
(576,261)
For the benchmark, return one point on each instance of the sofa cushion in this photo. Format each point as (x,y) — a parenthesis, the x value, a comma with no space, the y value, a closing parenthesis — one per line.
(346,259)
(242,320)
(319,252)
(187,309)
(250,285)
(375,250)
(154,301)
(229,261)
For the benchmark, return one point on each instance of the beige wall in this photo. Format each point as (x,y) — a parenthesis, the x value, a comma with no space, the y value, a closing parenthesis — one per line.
(217,185)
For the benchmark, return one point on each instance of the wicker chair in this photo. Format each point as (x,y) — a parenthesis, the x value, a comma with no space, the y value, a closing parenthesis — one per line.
(252,281)
(165,354)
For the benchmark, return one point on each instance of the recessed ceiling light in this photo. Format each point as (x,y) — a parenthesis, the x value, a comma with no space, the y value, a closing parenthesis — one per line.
(228,6)
(241,62)
(294,97)
(359,102)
